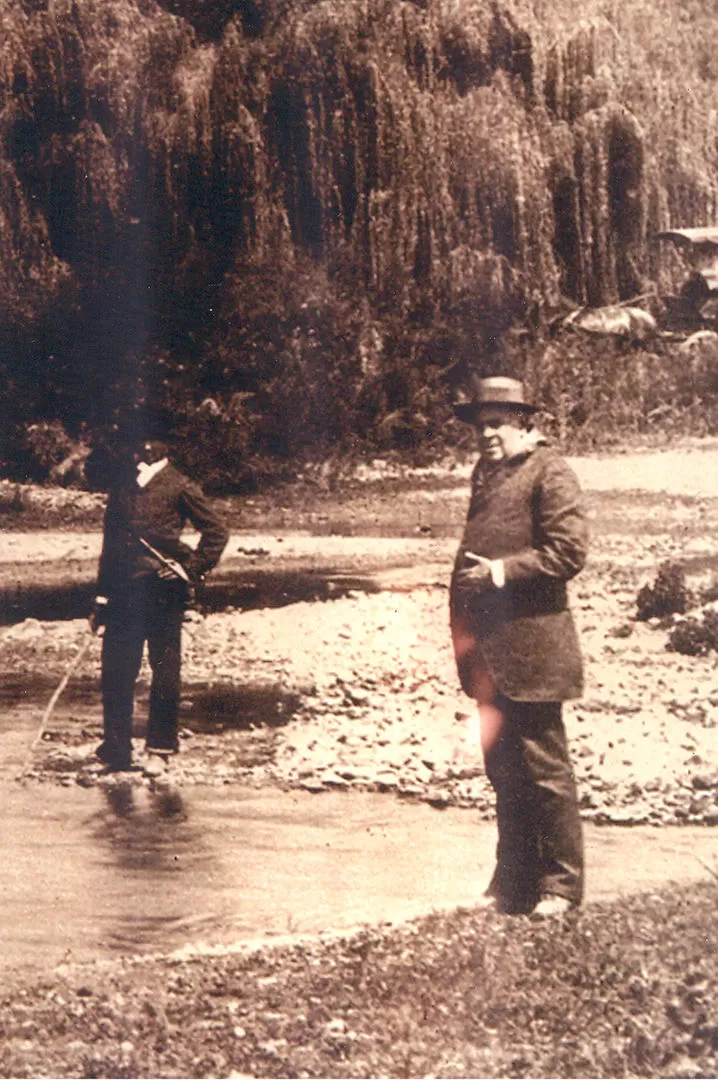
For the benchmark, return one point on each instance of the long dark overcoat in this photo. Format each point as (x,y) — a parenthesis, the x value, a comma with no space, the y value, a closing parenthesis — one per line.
(529,513)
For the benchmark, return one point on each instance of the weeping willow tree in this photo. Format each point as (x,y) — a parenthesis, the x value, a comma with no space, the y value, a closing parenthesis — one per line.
(288,218)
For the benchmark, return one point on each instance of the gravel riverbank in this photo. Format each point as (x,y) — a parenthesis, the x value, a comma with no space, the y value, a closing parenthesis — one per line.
(361,691)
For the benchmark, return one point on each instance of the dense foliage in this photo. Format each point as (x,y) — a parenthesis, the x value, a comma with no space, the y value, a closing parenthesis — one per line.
(288,219)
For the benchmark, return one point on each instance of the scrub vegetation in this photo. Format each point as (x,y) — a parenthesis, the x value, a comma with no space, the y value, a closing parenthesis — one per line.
(288,221)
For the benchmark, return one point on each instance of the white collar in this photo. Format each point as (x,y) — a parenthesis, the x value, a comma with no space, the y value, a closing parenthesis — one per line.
(145,472)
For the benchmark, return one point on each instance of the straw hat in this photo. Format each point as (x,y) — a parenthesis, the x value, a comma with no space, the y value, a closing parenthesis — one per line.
(495,390)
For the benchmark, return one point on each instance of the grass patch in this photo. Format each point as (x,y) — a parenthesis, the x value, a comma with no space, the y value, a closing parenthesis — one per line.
(628,989)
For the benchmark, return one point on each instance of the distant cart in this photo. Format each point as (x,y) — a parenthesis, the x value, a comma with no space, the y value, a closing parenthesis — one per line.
(617,320)
(695,307)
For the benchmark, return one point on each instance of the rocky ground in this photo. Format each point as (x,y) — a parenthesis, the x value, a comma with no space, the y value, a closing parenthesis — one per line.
(361,690)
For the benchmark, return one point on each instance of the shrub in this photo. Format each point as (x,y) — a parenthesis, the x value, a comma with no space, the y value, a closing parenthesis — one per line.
(690,637)
(48,447)
(696,635)
(668,595)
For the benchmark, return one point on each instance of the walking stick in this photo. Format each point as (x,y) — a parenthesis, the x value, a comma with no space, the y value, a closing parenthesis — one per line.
(55,697)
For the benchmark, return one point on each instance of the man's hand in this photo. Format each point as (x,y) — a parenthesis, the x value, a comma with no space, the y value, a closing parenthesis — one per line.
(166,573)
(477,576)
(98,615)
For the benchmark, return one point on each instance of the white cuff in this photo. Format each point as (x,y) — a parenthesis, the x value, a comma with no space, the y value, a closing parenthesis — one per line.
(101,600)
(498,574)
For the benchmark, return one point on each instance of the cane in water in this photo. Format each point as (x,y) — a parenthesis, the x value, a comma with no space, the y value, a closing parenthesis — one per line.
(73,665)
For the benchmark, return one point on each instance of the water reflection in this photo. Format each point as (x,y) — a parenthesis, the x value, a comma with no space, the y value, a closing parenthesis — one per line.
(167,800)
(65,590)
(251,588)
(148,834)
(145,828)
(120,799)
(34,689)
(135,869)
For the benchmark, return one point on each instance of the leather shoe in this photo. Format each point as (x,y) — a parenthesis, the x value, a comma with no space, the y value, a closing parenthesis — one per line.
(155,765)
(552,907)
(487,902)
(111,760)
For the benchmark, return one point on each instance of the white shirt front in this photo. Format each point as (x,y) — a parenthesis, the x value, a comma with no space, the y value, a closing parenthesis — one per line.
(145,472)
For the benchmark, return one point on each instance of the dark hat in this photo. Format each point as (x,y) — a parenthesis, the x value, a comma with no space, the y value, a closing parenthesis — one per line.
(143,426)
(495,390)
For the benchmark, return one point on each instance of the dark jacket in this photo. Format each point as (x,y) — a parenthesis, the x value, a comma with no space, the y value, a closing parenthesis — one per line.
(529,513)
(158,513)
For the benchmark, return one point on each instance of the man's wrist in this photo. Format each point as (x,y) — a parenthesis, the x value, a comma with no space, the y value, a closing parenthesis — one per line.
(498,572)
(197,570)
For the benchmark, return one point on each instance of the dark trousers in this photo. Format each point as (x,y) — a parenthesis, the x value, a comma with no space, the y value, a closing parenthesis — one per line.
(150,610)
(540,846)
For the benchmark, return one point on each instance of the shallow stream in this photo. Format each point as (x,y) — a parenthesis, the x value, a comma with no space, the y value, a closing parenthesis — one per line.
(128,868)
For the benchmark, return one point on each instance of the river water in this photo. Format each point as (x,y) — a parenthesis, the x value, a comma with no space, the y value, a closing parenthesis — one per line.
(128,868)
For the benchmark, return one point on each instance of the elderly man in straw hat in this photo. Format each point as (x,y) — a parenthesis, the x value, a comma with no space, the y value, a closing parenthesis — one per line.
(516,646)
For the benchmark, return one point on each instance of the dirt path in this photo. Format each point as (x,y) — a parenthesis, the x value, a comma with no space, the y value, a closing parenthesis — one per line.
(690,470)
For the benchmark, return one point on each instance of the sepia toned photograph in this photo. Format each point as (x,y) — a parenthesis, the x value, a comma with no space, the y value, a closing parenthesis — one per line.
(359,539)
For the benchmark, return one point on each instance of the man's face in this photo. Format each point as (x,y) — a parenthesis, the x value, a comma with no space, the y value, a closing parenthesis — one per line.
(501,432)
(149,452)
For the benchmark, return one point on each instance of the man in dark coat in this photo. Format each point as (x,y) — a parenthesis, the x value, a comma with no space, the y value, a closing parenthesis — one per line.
(516,646)
(146,577)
